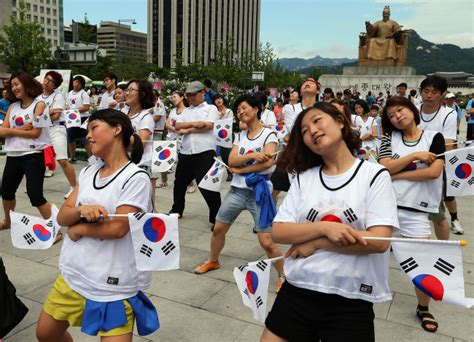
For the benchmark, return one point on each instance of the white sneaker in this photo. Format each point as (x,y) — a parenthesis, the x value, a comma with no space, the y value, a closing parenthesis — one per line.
(48,173)
(456,227)
(66,196)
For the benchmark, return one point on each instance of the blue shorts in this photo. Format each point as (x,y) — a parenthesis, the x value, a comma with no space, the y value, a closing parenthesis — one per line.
(237,200)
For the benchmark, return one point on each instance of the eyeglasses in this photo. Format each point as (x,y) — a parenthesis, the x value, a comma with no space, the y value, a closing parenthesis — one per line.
(129,90)
(49,80)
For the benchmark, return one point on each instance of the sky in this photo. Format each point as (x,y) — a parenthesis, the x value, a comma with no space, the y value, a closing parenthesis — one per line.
(306,28)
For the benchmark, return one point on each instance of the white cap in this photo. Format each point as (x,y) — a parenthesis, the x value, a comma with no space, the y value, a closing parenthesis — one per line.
(449,96)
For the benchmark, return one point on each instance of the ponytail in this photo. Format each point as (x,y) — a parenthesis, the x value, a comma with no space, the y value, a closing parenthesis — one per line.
(136,148)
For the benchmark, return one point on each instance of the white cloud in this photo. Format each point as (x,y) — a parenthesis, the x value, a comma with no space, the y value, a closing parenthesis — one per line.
(440,21)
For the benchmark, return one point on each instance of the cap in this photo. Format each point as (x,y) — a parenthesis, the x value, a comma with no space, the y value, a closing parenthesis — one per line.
(328,91)
(194,87)
(449,96)
(347,92)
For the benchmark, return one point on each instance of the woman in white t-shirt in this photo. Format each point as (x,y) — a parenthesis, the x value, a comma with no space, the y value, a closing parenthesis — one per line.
(224,113)
(333,276)
(139,99)
(368,130)
(250,158)
(97,264)
(24,145)
(418,185)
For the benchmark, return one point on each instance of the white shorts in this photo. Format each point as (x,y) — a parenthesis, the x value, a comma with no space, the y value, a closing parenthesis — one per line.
(414,224)
(58,137)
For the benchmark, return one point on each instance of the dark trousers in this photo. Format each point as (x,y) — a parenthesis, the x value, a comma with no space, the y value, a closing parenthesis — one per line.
(191,167)
(225,153)
(31,166)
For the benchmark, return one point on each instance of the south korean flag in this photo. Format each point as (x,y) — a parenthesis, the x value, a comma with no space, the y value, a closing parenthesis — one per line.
(459,166)
(223,132)
(164,156)
(155,240)
(31,232)
(252,281)
(73,118)
(333,212)
(436,269)
(42,120)
(213,179)
(281,131)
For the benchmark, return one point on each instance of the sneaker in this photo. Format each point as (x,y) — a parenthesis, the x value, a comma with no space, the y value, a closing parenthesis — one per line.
(281,280)
(206,267)
(456,227)
(48,173)
(73,160)
(66,196)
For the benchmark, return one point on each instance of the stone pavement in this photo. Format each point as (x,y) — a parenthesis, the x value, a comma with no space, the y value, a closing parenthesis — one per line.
(208,307)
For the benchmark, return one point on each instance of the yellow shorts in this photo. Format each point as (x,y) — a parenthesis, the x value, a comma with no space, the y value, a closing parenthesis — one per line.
(65,304)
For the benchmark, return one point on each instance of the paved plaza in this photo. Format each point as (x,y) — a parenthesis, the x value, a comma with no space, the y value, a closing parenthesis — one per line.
(209,307)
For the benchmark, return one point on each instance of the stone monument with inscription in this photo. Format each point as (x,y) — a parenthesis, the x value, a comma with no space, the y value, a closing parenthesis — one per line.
(382,62)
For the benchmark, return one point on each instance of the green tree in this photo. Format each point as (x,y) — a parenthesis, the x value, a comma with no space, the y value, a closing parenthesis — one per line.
(23,46)
(87,33)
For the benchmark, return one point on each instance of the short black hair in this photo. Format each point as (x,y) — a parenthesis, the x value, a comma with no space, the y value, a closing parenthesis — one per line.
(397,101)
(403,85)
(110,75)
(263,99)
(363,104)
(252,100)
(81,80)
(207,82)
(437,82)
(145,93)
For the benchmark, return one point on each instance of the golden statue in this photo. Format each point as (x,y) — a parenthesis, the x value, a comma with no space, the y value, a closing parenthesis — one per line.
(384,44)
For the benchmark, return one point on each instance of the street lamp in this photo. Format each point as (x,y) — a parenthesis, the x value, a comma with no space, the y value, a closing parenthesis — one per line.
(133,22)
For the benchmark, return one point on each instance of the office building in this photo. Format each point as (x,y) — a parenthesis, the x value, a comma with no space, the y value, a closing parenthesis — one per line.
(118,40)
(195,29)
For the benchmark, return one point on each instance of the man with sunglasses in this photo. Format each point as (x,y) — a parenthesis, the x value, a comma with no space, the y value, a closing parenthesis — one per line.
(196,156)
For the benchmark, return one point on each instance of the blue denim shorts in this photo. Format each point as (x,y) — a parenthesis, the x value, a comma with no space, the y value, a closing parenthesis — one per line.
(237,200)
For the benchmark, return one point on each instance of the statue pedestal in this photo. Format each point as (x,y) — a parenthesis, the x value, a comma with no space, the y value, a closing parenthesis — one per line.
(382,70)
(374,79)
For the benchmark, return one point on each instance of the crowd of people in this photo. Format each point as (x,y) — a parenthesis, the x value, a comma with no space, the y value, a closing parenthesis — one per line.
(344,162)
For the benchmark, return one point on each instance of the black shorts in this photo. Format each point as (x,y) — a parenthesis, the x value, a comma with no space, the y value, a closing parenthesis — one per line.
(304,315)
(75,133)
(280,180)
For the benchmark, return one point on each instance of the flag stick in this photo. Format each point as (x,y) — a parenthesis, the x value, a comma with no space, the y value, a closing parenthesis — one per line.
(220,162)
(126,215)
(276,258)
(450,151)
(440,242)
(460,143)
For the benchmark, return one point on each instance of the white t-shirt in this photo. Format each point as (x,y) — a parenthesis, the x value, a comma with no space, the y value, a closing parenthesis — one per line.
(444,121)
(228,114)
(104,270)
(18,146)
(357,122)
(290,113)
(55,100)
(160,109)
(106,99)
(76,100)
(246,145)
(268,118)
(366,129)
(194,143)
(143,120)
(361,197)
(170,136)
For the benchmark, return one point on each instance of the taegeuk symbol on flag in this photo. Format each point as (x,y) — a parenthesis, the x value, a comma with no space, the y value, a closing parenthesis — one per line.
(252,281)
(73,118)
(164,156)
(280,130)
(42,120)
(155,240)
(460,178)
(223,132)
(31,232)
(435,269)
(213,179)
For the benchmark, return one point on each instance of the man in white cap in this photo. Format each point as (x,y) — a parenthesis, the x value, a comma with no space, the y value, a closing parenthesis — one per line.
(197,153)
(450,103)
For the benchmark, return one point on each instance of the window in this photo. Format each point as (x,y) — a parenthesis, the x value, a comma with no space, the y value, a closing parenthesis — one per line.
(14,13)
(35,18)
(41,9)
(35,8)
(55,22)
(48,21)
(54,12)
(48,2)
(28,16)
(55,42)
(28,6)
(55,32)
(49,31)
(13,3)
(48,10)
(42,20)
(54,2)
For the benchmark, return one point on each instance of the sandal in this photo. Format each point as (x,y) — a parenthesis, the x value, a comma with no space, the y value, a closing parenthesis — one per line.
(59,237)
(162,185)
(3,226)
(426,318)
